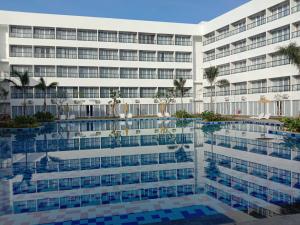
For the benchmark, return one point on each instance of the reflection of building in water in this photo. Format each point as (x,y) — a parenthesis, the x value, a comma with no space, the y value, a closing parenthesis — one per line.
(91,163)
(252,172)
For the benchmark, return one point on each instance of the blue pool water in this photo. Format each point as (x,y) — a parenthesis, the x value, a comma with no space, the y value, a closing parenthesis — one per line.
(146,171)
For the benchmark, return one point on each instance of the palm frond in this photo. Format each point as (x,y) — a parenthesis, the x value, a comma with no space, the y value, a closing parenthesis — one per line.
(52,85)
(211,74)
(292,51)
(16,85)
(222,83)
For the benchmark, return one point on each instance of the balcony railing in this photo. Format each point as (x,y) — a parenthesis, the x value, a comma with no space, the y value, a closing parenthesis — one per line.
(257,44)
(147,58)
(296,8)
(178,59)
(109,57)
(20,34)
(238,50)
(238,30)
(209,41)
(239,92)
(256,23)
(278,15)
(296,87)
(87,56)
(20,54)
(278,62)
(296,34)
(224,72)
(257,66)
(223,54)
(283,88)
(258,90)
(209,58)
(108,39)
(239,70)
(223,93)
(279,39)
(129,58)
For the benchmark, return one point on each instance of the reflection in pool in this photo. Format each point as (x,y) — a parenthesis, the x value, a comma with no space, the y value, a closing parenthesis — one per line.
(146,171)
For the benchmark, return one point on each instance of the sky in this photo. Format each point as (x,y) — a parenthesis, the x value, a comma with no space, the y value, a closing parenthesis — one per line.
(182,11)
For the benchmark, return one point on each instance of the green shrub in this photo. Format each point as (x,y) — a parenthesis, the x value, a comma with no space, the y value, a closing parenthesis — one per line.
(183,114)
(291,124)
(211,116)
(44,117)
(20,120)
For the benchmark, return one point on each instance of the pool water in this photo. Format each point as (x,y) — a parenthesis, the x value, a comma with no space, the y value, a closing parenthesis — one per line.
(146,171)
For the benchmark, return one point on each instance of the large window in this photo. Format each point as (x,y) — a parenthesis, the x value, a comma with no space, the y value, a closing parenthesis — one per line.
(129,73)
(44,52)
(128,55)
(146,38)
(165,39)
(88,72)
(68,53)
(109,72)
(44,32)
(67,92)
(129,92)
(183,57)
(165,74)
(22,69)
(165,56)
(108,54)
(146,73)
(65,34)
(20,31)
(87,53)
(127,37)
(88,92)
(108,36)
(67,71)
(147,56)
(20,51)
(106,91)
(183,40)
(44,71)
(147,92)
(184,73)
(87,35)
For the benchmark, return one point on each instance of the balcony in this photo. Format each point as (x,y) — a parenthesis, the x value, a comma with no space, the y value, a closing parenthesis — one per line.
(257,90)
(257,66)
(296,87)
(182,59)
(108,39)
(278,62)
(238,30)
(223,93)
(44,55)
(257,45)
(296,8)
(283,88)
(256,23)
(224,72)
(279,39)
(20,54)
(296,34)
(223,54)
(209,58)
(183,43)
(278,15)
(239,92)
(238,50)
(209,41)
(21,34)
(239,70)
(109,57)
(129,58)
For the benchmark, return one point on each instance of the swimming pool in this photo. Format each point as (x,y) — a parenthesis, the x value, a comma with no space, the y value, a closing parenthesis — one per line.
(146,171)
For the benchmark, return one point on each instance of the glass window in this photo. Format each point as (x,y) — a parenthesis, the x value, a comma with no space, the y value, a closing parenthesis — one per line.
(44,32)
(87,35)
(65,34)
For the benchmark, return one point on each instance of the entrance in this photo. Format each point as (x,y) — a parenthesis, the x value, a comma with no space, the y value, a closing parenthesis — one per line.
(89,110)
(279,108)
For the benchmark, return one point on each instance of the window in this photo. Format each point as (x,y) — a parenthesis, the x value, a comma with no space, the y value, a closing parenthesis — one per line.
(279,11)
(146,38)
(165,39)
(126,37)
(44,71)
(129,73)
(128,55)
(22,69)
(109,72)
(239,67)
(279,35)
(165,56)
(105,91)
(44,32)
(87,53)
(257,63)
(88,92)
(129,92)
(257,41)
(108,36)
(258,86)
(65,34)
(148,73)
(67,71)
(88,72)
(147,92)
(165,74)
(20,51)
(183,40)
(257,20)
(224,69)
(223,51)
(239,46)
(67,92)
(18,94)
(184,73)
(183,57)
(147,56)
(87,35)
(108,54)
(20,31)
(44,52)
(67,53)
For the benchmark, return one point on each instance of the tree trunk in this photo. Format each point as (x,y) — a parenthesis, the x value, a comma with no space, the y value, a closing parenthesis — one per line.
(24,103)
(211,99)
(45,103)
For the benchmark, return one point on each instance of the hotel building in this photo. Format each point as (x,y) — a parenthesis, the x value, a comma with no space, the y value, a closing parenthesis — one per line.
(89,57)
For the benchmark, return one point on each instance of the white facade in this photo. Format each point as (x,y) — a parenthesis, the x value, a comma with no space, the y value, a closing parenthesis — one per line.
(89,56)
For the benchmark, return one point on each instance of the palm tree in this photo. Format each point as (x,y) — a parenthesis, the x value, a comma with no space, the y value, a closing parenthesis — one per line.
(44,87)
(114,95)
(23,85)
(292,51)
(179,86)
(211,75)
